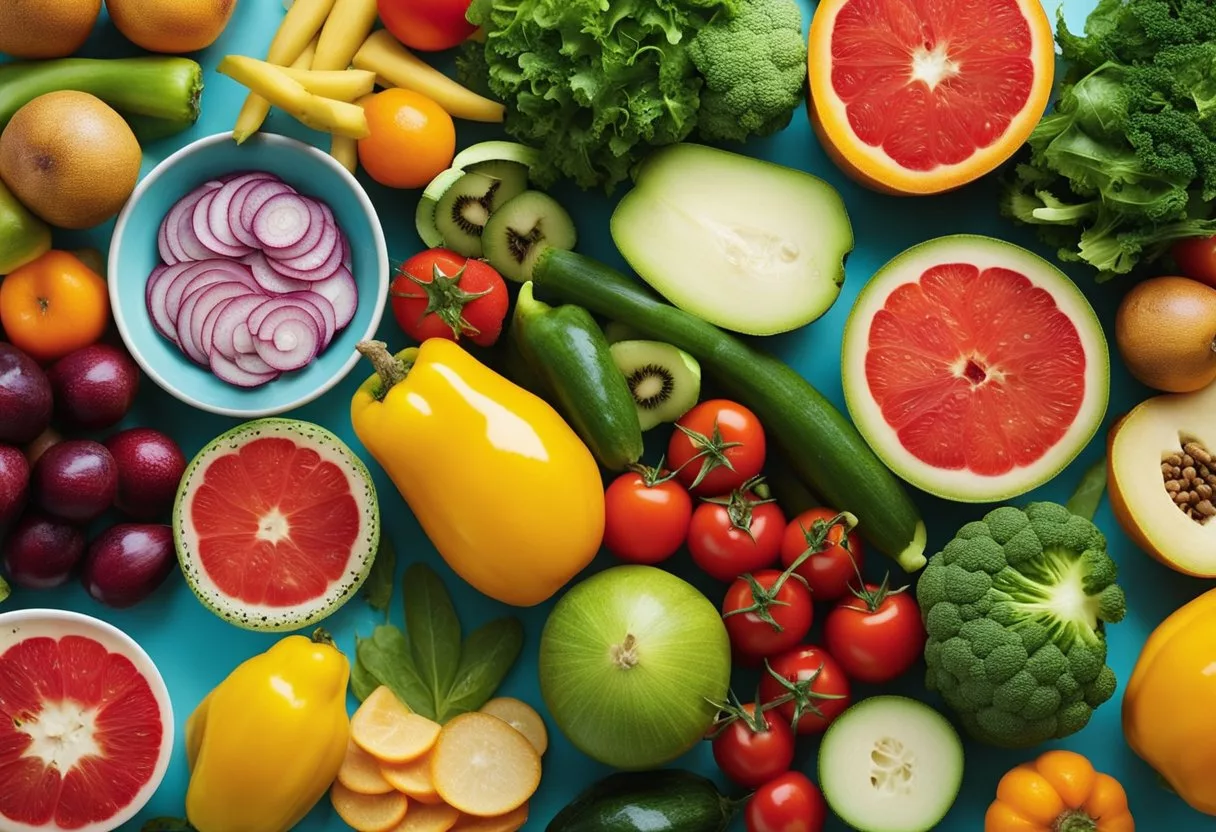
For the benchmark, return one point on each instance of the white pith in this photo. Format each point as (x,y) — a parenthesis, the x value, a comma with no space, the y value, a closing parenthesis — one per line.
(964,485)
(1149,432)
(273,526)
(933,66)
(63,731)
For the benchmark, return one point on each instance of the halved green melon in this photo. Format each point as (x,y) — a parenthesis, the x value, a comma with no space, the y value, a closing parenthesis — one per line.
(276,524)
(975,369)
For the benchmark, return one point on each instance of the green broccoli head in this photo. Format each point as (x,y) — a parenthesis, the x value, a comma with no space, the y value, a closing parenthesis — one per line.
(754,67)
(1016,607)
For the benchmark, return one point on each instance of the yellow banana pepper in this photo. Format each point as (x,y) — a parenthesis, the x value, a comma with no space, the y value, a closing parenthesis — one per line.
(504,488)
(267,743)
(1168,714)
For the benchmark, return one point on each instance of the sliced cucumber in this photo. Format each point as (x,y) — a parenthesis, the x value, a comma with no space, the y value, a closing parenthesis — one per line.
(891,764)
(464,209)
(424,217)
(520,230)
(664,382)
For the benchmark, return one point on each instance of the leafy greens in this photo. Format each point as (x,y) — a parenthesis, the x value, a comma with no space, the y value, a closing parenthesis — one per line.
(1126,163)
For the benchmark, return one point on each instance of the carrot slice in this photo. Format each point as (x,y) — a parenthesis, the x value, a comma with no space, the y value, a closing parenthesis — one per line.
(484,767)
(368,812)
(510,822)
(360,772)
(413,779)
(522,717)
(385,728)
(438,817)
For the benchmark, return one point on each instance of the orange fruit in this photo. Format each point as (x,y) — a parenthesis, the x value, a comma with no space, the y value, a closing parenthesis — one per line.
(368,812)
(483,766)
(53,306)
(360,772)
(389,731)
(523,718)
(412,139)
(919,97)
(413,779)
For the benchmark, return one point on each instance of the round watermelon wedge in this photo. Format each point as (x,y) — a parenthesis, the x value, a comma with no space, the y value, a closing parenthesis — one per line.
(86,726)
(276,524)
(975,370)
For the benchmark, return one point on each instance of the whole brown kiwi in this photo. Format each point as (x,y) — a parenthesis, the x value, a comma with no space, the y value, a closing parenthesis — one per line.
(1166,332)
(70,158)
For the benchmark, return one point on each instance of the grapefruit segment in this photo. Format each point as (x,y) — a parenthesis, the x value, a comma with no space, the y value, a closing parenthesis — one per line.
(923,96)
(276,524)
(976,370)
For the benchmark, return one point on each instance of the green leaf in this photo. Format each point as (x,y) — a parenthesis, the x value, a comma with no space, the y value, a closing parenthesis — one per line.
(434,631)
(486,658)
(1085,500)
(386,657)
(380,581)
(362,682)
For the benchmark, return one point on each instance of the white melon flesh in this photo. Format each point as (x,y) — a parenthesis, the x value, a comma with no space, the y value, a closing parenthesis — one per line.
(744,244)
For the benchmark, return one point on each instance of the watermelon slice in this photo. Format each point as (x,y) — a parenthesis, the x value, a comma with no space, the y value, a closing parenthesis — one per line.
(86,727)
(975,369)
(276,524)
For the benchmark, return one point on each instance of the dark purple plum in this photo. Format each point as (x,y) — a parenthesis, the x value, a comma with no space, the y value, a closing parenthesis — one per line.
(150,467)
(25,397)
(127,562)
(94,387)
(41,551)
(75,480)
(14,484)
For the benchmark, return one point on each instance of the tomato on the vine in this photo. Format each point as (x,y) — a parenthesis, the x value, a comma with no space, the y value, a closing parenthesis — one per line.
(832,550)
(876,634)
(732,535)
(646,516)
(717,447)
(427,25)
(765,614)
(753,748)
(788,803)
(811,686)
(442,294)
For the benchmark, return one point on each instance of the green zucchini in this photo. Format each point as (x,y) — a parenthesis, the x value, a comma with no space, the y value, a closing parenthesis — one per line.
(570,355)
(671,800)
(825,450)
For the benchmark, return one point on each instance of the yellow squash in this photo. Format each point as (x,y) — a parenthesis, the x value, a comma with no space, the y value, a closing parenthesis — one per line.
(266,745)
(507,492)
(1169,708)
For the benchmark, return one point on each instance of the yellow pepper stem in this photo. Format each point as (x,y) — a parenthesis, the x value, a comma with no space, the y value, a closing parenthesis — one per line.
(391,370)
(322,636)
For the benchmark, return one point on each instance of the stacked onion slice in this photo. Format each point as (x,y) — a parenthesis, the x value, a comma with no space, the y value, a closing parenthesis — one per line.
(255,280)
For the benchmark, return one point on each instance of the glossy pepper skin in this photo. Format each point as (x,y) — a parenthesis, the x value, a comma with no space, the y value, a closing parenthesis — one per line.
(1059,792)
(504,488)
(267,743)
(1169,707)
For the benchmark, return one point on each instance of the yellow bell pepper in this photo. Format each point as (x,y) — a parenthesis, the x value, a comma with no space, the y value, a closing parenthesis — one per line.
(267,743)
(504,488)
(1168,714)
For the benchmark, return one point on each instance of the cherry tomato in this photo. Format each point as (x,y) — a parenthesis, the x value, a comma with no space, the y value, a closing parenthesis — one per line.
(442,294)
(752,757)
(818,690)
(788,803)
(747,605)
(742,536)
(53,305)
(427,25)
(1196,257)
(878,637)
(645,521)
(719,442)
(836,560)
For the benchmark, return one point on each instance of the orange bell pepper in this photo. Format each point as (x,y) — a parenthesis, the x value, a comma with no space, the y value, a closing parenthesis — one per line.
(1059,792)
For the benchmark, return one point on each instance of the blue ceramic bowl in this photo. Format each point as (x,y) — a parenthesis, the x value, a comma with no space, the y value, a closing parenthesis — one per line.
(133,255)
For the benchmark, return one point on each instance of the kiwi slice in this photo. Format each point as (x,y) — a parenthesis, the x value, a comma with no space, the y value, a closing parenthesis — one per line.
(473,156)
(520,230)
(461,213)
(665,381)
(424,217)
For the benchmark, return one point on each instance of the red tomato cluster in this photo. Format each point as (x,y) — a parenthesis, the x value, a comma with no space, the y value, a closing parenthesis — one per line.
(709,497)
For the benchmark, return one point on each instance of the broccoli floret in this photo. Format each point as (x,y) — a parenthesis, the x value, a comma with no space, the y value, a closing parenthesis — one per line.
(754,67)
(1033,668)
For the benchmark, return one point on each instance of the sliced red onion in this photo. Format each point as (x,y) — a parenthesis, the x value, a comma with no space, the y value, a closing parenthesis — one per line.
(154,299)
(283,221)
(167,294)
(242,338)
(269,279)
(172,221)
(312,237)
(234,316)
(323,313)
(290,268)
(251,363)
(194,311)
(287,339)
(201,226)
(216,271)
(345,251)
(221,218)
(247,202)
(226,370)
(162,244)
(342,293)
(187,240)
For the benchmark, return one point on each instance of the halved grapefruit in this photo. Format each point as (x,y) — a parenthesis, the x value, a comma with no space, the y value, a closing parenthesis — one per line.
(923,96)
(975,370)
(276,524)
(86,727)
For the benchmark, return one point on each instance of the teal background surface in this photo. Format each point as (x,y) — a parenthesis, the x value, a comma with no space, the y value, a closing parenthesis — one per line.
(195,650)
